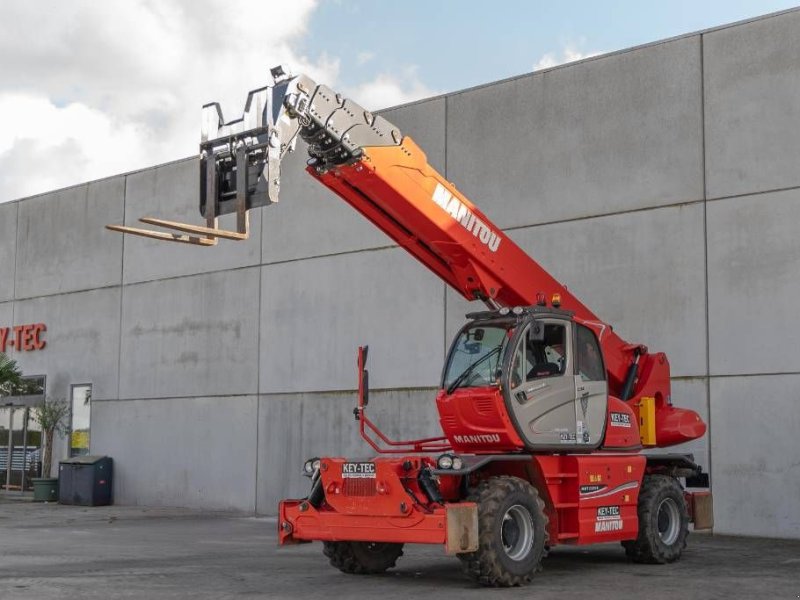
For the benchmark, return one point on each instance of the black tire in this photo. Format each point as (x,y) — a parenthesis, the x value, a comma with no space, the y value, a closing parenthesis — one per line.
(663,522)
(362,558)
(509,513)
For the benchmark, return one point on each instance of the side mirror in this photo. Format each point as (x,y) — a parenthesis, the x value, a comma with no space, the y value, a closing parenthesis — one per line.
(363,378)
(364,387)
(475,334)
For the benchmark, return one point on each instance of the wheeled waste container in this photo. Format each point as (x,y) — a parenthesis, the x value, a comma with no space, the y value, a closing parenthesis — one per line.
(85,481)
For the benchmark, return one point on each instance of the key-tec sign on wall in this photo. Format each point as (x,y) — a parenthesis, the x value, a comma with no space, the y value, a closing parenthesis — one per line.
(23,338)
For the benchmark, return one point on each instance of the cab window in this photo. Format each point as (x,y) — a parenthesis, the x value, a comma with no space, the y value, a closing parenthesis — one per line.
(548,355)
(590,360)
(534,359)
(476,356)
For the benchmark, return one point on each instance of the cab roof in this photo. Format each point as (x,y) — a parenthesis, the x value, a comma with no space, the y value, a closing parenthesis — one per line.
(519,312)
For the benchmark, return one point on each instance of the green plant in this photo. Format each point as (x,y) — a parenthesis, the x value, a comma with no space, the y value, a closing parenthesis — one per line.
(10,376)
(51,416)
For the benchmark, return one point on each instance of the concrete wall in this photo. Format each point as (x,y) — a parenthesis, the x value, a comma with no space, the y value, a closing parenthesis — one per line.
(660,184)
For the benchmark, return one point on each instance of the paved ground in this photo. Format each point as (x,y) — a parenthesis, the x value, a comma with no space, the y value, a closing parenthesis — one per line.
(53,551)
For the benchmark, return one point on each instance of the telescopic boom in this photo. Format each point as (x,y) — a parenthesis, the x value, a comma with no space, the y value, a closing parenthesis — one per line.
(386,177)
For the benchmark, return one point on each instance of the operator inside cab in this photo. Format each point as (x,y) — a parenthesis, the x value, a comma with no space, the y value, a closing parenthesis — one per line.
(535,359)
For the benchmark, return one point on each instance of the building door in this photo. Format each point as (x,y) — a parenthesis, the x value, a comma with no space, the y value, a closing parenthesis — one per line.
(80,419)
(20,434)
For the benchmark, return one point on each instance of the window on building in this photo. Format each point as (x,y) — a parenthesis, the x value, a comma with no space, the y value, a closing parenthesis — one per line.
(80,419)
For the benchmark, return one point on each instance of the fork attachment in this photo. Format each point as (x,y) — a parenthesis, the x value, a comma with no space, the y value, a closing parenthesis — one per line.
(240,160)
(239,166)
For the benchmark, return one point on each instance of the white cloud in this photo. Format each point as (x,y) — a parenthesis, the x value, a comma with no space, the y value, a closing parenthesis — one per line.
(91,89)
(569,53)
(363,58)
(46,146)
(387,90)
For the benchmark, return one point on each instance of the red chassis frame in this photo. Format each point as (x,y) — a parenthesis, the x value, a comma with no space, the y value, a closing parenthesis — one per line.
(588,499)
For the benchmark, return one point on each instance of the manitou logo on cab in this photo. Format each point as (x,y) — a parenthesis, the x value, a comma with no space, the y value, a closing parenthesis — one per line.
(465,216)
(486,438)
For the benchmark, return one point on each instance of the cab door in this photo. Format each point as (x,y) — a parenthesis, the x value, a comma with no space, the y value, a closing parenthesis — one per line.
(542,384)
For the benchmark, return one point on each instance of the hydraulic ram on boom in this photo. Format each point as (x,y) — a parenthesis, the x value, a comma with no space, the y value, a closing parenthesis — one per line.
(537,378)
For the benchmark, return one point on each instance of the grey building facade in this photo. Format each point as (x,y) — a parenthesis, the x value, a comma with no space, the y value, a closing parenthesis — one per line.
(661,184)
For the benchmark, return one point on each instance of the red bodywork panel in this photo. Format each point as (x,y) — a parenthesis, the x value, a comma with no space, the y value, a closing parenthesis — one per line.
(475,420)
(592,497)
(379,508)
(622,426)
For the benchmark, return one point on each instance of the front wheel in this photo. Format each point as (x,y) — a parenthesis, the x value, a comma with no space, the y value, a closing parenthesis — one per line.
(362,558)
(663,522)
(512,533)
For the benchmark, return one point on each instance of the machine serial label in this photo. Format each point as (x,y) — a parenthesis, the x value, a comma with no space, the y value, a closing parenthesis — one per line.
(620,419)
(466,217)
(598,490)
(364,470)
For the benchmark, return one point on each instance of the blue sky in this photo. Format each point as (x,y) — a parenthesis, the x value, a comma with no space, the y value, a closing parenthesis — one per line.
(453,45)
(94,88)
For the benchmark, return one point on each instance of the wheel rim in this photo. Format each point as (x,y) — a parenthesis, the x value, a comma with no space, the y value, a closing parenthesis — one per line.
(669,521)
(517,532)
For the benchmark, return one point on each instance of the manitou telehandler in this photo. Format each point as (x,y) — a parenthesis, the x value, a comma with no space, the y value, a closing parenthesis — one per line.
(545,410)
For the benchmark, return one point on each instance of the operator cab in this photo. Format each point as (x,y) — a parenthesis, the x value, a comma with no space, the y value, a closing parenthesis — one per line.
(544,370)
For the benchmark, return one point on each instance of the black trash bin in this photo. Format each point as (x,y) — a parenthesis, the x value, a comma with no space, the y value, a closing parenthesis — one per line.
(85,481)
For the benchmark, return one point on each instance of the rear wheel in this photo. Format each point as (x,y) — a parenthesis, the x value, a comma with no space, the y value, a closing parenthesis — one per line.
(512,532)
(362,558)
(663,522)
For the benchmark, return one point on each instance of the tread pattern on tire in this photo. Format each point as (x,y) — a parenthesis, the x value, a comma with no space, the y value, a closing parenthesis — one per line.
(354,559)
(484,566)
(648,547)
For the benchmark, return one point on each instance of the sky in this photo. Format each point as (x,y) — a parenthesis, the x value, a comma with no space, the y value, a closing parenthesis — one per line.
(93,88)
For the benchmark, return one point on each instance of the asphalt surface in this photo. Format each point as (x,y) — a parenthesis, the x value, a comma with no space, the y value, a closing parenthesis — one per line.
(51,551)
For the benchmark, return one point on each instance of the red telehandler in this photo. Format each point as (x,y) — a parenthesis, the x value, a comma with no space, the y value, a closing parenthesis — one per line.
(545,410)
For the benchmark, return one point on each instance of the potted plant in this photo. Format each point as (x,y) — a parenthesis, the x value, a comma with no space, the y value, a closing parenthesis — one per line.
(51,416)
